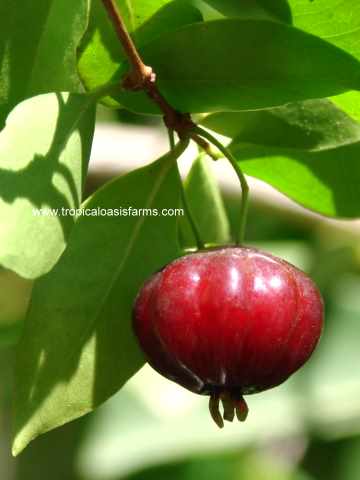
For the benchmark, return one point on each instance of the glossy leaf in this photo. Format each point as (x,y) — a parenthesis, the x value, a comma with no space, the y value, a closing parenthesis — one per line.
(273,64)
(38,42)
(325,181)
(208,13)
(309,151)
(137,12)
(350,103)
(275,10)
(336,21)
(78,348)
(101,52)
(206,204)
(309,125)
(44,152)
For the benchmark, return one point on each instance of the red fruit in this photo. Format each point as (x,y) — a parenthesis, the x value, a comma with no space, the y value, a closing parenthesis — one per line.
(228,322)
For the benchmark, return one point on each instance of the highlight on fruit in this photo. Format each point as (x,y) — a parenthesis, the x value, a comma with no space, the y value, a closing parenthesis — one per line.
(228,322)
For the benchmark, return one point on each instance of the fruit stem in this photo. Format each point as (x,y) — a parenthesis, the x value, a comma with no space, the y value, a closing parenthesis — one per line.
(196,232)
(243,182)
(171,138)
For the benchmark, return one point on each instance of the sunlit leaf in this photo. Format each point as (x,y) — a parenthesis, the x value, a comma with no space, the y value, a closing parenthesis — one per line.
(44,153)
(101,53)
(38,42)
(78,348)
(273,64)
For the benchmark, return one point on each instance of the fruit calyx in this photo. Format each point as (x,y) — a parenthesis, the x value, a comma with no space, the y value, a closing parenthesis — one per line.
(232,404)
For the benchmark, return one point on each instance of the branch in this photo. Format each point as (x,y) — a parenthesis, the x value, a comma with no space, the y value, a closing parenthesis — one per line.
(126,41)
(142,77)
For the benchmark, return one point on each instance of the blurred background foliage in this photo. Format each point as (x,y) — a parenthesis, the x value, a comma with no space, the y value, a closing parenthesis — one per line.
(306,429)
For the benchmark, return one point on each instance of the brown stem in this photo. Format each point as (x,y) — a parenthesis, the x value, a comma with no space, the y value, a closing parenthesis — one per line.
(125,39)
(142,77)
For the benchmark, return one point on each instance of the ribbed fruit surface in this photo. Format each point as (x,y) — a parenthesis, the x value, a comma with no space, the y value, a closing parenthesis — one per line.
(228,321)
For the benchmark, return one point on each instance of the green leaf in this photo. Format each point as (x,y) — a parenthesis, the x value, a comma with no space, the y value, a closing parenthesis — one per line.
(208,13)
(101,51)
(308,125)
(38,42)
(44,152)
(137,12)
(10,334)
(14,298)
(309,151)
(325,181)
(273,64)
(275,10)
(78,348)
(206,205)
(336,21)
(350,103)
